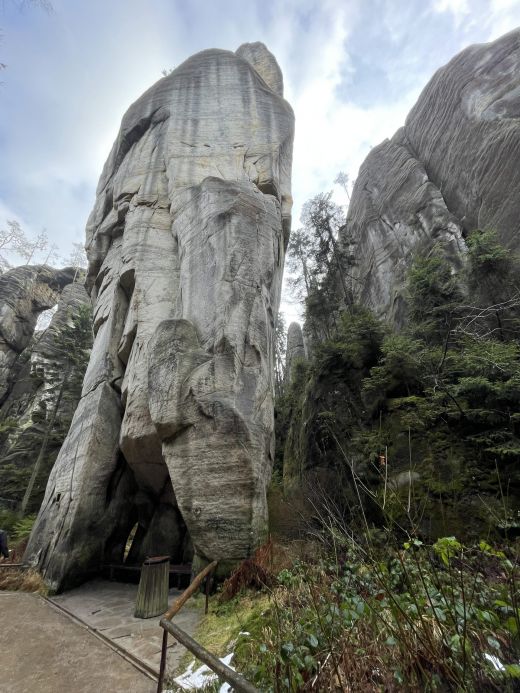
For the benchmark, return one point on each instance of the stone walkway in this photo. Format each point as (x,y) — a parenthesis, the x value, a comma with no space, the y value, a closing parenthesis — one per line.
(108,608)
(44,651)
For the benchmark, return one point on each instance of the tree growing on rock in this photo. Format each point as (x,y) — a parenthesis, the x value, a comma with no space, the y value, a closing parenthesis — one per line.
(280,339)
(12,238)
(317,264)
(15,242)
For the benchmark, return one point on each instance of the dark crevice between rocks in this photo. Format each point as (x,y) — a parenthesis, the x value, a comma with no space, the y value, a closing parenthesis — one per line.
(268,188)
(147,523)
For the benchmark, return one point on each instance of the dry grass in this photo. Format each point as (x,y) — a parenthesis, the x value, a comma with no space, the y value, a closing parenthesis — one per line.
(261,569)
(21,580)
(253,573)
(218,631)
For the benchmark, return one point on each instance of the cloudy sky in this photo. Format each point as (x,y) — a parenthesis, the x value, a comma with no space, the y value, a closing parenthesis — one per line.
(352,70)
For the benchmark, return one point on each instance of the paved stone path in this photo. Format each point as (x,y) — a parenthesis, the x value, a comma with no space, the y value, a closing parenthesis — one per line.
(108,607)
(44,651)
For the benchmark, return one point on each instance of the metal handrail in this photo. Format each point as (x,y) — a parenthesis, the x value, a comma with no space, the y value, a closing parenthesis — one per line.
(229,675)
(239,683)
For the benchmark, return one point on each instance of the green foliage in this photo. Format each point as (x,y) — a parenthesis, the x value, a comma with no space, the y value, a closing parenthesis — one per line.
(446,548)
(356,344)
(22,441)
(434,296)
(424,618)
(280,341)
(420,432)
(489,260)
(399,372)
(439,400)
(316,262)
(326,394)
(22,528)
(493,285)
(7,426)
(8,519)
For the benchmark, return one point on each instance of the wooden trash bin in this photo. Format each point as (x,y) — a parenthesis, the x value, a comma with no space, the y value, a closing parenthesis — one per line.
(152,593)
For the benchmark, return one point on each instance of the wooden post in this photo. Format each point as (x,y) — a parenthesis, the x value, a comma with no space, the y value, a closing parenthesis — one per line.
(152,594)
(235,680)
(208,579)
(176,607)
(194,586)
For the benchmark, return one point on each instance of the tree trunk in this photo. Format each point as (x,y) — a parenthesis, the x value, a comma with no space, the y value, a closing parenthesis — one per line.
(346,293)
(43,449)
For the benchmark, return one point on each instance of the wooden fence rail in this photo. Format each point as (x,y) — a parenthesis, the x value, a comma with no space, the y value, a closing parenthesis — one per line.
(236,680)
(239,683)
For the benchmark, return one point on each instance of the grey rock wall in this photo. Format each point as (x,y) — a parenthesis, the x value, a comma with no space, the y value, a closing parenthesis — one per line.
(295,347)
(451,169)
(35,381)
(186,248)
(25,292)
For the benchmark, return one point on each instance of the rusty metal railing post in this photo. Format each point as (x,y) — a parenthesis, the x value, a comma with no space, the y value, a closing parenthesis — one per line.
(229,675)
(174,609)
(236,680)
(162,668)
(209,579)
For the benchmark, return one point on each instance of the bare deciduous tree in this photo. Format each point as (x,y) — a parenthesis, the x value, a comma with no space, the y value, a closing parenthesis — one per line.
(12,238)
(77,258)
(32,246)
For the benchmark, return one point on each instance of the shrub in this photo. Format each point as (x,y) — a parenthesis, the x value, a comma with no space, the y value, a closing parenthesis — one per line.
(441,617)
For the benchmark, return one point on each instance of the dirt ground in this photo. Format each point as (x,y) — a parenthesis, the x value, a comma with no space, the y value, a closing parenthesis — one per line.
(44,651)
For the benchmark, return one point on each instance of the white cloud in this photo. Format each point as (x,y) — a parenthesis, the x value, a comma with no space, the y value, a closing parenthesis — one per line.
(73,74)
(460,9)
(504,16)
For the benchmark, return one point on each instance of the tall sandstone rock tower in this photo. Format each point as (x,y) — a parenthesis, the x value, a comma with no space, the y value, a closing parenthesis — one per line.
(451,169)
(186,247)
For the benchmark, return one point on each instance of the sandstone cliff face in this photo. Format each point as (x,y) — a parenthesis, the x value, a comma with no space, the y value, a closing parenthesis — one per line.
(34,402)
(186,248)
(451,169)
(24,293)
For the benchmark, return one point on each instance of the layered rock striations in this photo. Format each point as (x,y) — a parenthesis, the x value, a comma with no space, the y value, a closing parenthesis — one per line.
(25,292)
(451,169)
(186,247)
(42,397)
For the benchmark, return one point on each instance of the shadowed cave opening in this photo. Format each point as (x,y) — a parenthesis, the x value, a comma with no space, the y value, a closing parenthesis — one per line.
(149,524)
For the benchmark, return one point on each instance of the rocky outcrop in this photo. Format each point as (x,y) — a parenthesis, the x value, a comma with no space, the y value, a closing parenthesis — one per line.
(295,347)
(262,61)
(186,248)
(451,169)
(43,397)
(24,293)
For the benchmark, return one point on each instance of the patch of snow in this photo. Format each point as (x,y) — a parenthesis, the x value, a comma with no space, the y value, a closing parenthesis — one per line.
(495,661)
(191,680)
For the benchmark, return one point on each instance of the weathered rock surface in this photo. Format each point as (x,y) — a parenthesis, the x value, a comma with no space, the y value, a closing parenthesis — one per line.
(451,169)
(186,248)
(295,347)
(34,401)
(264,63)
(24,293)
